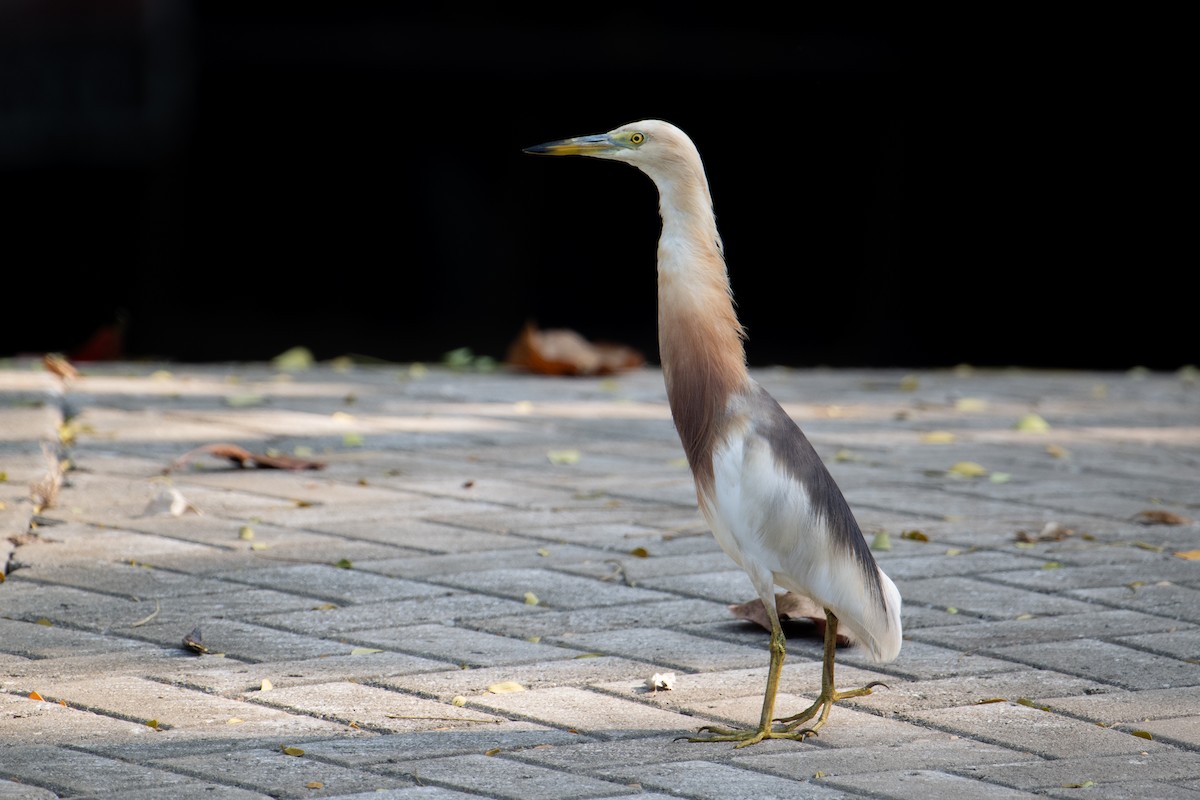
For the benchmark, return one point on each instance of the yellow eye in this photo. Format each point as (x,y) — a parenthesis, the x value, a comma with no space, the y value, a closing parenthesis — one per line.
(637,138)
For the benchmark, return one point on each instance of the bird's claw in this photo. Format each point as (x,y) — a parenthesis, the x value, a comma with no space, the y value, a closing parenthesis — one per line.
(744,738)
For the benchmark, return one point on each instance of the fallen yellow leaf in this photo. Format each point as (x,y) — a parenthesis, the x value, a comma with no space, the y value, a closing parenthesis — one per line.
(531,599)
(295,358)
(362,651)
(938,437)
(563,456)
(970,404)
(967,469)
(1032,423)
(291,751)
(266,686)
(505,687)
(881,541)
(1190,555)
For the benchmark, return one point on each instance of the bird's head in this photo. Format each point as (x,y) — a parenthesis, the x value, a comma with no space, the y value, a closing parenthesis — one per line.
(655,147)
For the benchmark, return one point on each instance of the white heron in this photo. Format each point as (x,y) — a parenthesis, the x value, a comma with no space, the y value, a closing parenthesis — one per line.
(764,491)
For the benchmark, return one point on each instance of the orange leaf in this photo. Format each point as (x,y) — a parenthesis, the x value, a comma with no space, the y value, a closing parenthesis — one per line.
(565,352)
(35,696)
(244,458)
(1156,516)
(789,606)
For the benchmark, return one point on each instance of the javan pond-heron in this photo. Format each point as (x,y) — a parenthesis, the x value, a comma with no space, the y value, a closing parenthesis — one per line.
(770,501)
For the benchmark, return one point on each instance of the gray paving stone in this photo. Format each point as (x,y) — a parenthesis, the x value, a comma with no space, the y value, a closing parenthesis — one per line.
(704,780)
(449,606)
(590,713)
(552,589)
(1129,790)
(13,790)
(1026,729)
(408,750)
(1182,643)
(70,772)
(410,793)
(501,778)
(26,720)
(666,613)
(1170,600)
(932,750)
(985,599)
(417,535)
(140,581)
(1157,765)
(591,756)
(445,685)
(1118,706)
(940,560)
(668,648)
(178,710)
(370,707)
(921,784)
(461,646)
(904,696)
(1149,572)
(921,661)
(518,553)
(232,678)
(329,582)
(277,774)
(729,585)
(992,635)
(1107,663)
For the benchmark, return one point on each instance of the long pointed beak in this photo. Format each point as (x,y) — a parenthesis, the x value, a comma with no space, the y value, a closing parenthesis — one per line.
(600,144)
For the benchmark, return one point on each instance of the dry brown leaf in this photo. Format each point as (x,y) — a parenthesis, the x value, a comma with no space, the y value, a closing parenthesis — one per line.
(244,458)
(565,352)
(192,641)
(1156,516)
(789,606)
(1051,532)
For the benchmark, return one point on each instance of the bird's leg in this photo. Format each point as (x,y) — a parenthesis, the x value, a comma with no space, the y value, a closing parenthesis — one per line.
(765,729)
(829,694)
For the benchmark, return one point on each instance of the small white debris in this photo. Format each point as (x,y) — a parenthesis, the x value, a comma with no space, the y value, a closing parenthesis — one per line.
(169,501)
(661,682)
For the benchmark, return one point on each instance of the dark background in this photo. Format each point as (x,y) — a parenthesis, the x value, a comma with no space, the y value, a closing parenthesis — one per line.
(233,179)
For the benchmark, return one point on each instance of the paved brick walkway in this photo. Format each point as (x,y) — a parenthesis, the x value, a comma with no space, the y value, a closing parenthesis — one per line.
(475,533)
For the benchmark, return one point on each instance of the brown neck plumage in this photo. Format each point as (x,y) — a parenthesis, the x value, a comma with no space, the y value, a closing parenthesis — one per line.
(700,338)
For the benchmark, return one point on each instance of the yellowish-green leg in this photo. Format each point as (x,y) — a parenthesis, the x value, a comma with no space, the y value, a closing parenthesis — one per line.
(765,729)
(829,695)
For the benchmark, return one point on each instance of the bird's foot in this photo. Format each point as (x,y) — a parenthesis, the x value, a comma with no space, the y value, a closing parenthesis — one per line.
(821,708)
(745,737)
